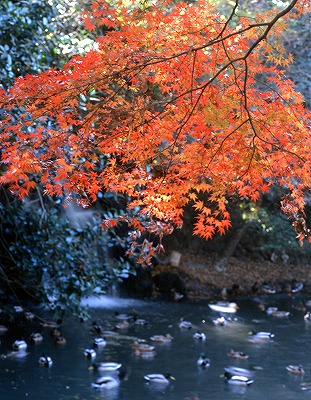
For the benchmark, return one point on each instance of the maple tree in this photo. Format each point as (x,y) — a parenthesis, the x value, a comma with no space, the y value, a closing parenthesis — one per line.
(174,101)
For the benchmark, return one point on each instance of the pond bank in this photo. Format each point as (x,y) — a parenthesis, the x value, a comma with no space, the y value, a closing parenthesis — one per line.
(203,281)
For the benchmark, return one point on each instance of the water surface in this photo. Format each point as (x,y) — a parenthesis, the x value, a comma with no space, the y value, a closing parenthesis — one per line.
(71,378)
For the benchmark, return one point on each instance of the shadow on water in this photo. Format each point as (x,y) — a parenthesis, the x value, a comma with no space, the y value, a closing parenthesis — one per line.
(70,376)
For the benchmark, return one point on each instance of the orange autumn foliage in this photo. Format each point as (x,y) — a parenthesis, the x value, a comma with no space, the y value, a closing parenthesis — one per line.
(178,101)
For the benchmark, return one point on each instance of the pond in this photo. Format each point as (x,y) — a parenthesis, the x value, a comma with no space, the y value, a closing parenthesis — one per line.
(70,376)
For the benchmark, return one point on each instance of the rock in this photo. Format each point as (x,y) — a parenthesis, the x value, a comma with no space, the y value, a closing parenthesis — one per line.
(175,258)
(170,285)
(138,285)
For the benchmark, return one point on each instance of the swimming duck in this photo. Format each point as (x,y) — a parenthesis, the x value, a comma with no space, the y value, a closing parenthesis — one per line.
(305,386)
(106,382)
(203,361)
(295,369)
(280,314)
(29,315)
(224,307)
(185,324)
(125,317)
(60,340)
(275,312)
(199,335)
(110,334)
(271,310)
(106,366)
(238,379)
(95,328)
(19,345)
(159,378)
(307,316)
(236,371)
(122,325)
(238,355)
(144,354)
(220,321)
(45,361)
(3,329)
(143,347)
(100,342)
(140,321)
(18,309)
(49,324)
(36,337)
(257,337)
(162,338)
(55,332)
(89,353)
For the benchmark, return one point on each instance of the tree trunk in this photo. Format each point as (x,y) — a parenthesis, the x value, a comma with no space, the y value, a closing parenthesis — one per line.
(221,263)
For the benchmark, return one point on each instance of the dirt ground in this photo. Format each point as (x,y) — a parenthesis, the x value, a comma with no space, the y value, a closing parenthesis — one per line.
(203,281)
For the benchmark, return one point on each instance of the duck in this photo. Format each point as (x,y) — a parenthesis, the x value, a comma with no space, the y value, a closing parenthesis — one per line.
(60,340)
(45,361)
(49,324)
(3,329)
(110,334)
(95,328)
(220,321)
(106,366)
(307,316)
(18,309)
(265,288)
(122,325)
(144,354)
(89,353)
(175,295)
(296,286)
(224,307)
(125,317)
(299,306)
(19,345)
(106,382)
(55,332)
(305,386)
(185,324)
(140,321)
(280,314)
(163,379)
(199,336)
(142,347)
(29,315)
(238,355)
(237,371)
(271,310)
(162,338)
(100,342)
(275,312)
(295,369)
(36,337)
(203,361)
(256,337)
(262,306)
(238,379)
